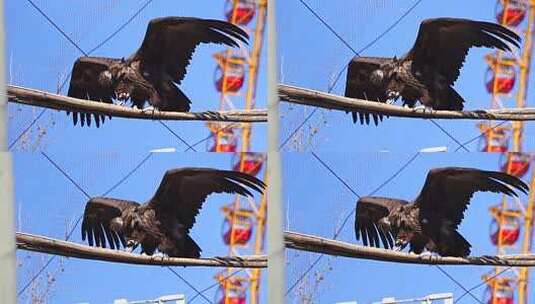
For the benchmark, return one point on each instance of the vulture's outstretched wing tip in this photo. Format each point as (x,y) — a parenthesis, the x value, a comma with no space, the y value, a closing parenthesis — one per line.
(444,42)
(98,214)
(85,84)
(183,191)
(369,211)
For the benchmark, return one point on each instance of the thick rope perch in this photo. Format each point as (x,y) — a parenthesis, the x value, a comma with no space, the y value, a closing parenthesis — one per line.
(329,101)
(68,249)
(60,102)
(317,244)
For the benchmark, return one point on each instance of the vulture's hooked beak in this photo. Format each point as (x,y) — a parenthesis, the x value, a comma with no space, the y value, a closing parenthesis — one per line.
(123,96)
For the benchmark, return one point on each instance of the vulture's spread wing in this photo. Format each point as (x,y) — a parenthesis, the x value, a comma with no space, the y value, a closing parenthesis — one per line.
(447,191)
(182,191)
(358,85)
(86,84)
(369,211)
(443,43)
(99,212)
(170,42)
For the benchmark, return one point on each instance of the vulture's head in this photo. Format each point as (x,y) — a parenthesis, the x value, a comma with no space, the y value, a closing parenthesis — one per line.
(400,226)
(120,76)
(366,78)
(132,227)
(118,225)
(124,89)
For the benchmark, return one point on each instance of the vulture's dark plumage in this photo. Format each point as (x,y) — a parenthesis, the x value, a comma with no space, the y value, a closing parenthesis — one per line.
(165,220)
(431,220)
(429,70)
(154,71)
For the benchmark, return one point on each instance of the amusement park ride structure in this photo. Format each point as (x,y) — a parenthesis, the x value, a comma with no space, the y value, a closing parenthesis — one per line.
(512,220)
(235,78)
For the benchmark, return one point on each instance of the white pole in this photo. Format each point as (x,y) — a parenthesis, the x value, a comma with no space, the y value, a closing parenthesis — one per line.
(7,233)
(275,248)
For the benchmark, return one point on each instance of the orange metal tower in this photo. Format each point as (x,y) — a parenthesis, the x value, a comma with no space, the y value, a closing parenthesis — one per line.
(235,78)
(512,219)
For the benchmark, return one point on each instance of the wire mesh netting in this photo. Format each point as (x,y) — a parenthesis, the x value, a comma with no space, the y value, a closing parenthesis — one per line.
(335,34)
(313,278)
(58,166)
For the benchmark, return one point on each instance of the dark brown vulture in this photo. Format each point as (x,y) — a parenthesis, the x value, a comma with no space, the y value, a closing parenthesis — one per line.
(154,71)
(165,220)
(429,70)
(431,220)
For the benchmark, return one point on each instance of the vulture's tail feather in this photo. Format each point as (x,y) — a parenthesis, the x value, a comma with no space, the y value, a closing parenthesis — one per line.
(85,118)
(184,101)
(455,245)
(456,99)
(171,99)
(191,249)
(449,100)
(462,247)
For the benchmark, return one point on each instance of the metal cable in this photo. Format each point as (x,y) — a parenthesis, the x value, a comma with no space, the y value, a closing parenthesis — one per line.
(26,129)
(57,27)
(57,166)
(21,291)
(339,230)
(357,53)
(458,283)
(120,28)
(189,284)
(66,175)
(479,136)
(177,136)
(482,283)
(449,135)
(329,27)
(334,174)
(214,285)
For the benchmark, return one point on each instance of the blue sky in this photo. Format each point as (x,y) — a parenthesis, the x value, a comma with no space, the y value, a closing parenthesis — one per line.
(322,212)
(310,56)
(98,158)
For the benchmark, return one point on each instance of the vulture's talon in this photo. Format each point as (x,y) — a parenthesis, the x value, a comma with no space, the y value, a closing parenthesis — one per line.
(149,110)
(423,109)
(393,95)
(427,255)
